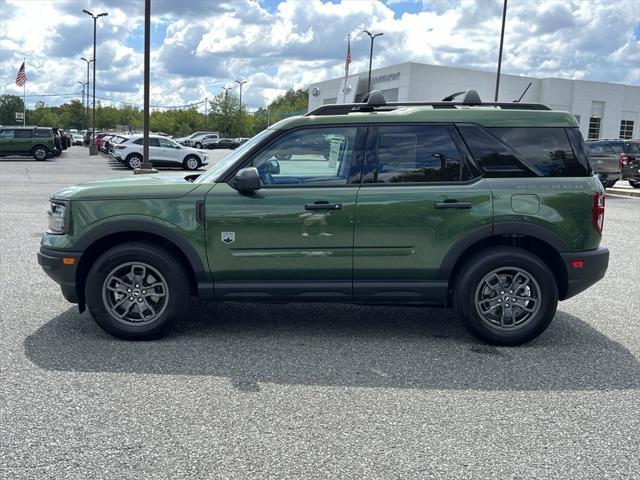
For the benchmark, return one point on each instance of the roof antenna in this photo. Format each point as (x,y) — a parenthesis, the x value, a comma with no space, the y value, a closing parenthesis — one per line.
(525,91)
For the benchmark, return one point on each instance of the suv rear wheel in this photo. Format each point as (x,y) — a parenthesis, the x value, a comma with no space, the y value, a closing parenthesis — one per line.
(40,153)
(634,183)
(133,161)
(137,290)
(506,296)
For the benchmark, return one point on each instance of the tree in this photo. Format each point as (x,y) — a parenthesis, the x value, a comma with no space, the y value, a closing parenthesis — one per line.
(9,105)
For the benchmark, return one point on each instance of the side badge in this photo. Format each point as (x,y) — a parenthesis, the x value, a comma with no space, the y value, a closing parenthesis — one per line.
(228,237)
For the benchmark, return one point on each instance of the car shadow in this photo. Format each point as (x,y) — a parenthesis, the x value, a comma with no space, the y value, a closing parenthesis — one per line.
(341,345)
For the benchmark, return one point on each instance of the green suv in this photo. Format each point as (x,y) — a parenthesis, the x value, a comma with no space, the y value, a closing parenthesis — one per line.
(36,142)
(490,208)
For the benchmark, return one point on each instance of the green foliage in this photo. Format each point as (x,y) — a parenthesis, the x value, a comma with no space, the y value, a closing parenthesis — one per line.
(224,115)
(9,105)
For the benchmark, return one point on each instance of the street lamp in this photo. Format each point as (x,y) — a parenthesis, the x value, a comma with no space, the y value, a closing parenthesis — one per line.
(86,120)
(226,109)
(372,36)
(92,146)
(84,84)
(239,82)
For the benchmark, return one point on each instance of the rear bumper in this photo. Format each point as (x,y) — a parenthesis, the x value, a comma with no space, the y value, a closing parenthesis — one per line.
(584,269)
(631,173)
(64,275)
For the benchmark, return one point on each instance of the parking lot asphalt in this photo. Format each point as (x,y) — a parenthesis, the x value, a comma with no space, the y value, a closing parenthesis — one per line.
(245,391)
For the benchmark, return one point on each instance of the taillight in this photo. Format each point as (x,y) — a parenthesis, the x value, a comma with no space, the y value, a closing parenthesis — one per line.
(119,147)
(624,160)
(597,211)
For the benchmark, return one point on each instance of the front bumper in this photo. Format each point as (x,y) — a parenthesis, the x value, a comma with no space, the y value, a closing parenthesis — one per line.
(64,274)
(584,269)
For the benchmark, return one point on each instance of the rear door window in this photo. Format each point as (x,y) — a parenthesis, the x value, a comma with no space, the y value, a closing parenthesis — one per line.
(415,154)
(42,133)
(23,133)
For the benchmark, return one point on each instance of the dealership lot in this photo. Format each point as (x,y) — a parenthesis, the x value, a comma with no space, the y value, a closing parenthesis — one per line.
(308,391)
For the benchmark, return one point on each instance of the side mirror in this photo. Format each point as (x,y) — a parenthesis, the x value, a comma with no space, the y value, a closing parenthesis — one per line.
(274,167)
(247,180)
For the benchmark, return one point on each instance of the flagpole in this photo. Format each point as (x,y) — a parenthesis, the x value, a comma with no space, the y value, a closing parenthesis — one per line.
(346,70)
(24,95)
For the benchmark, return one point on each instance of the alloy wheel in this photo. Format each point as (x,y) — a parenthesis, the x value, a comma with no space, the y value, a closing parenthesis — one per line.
(135,293)
(507,298)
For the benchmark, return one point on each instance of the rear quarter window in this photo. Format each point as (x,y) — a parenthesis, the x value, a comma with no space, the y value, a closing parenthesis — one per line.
(23,133)
(40,133)
(521,151)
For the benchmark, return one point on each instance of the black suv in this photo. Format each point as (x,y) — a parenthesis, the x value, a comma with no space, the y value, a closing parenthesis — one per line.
(615,159)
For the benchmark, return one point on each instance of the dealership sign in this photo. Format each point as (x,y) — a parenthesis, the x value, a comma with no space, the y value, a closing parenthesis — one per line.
(387,77)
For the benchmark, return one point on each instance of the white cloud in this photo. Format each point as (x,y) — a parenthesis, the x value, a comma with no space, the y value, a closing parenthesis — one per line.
(204,45)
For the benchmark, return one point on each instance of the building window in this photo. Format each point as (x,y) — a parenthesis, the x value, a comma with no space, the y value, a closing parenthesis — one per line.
(594,128)
(626,129)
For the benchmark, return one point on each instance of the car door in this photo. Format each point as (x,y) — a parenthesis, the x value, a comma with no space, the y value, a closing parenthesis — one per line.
(418,199)
(292,238)
(7,142)
(169,151)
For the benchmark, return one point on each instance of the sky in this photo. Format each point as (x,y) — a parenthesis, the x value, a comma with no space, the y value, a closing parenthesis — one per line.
(200,46)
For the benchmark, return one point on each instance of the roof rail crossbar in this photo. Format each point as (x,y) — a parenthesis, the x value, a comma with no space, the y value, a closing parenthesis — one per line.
(471,97)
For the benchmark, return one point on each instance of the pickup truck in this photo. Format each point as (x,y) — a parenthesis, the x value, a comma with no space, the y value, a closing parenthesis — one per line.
(605,161)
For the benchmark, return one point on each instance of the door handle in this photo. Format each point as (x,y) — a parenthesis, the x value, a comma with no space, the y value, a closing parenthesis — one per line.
(453,204)
(323,205)
(200,212)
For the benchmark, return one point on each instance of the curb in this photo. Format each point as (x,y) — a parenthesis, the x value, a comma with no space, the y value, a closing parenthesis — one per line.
(623,191)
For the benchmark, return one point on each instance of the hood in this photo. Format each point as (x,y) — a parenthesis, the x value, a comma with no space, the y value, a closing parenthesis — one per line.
(132,187)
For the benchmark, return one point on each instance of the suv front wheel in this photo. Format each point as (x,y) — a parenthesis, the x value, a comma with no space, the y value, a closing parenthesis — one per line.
(137,290)
(506,296)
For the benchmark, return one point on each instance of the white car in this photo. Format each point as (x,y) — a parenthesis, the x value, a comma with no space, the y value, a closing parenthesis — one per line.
(200,140)
(76,139)
(163,151)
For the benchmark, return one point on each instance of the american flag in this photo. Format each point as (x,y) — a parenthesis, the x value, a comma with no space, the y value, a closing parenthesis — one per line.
(21,78)
(348,60)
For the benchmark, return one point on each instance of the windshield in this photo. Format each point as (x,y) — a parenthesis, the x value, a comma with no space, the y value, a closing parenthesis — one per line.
(212,174)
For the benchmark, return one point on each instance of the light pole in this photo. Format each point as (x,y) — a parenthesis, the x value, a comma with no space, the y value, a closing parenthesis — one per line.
(239,82)
(86,121)
(84,84)
(504,17)
(147,166)
(372,36)
(92,146)
(226,109)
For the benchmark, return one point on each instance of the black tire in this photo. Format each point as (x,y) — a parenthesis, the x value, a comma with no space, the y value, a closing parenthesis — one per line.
(609,184)
(133,161)
(198,145)
(169,311)
(40,153)
(634,183)
(191,163)
(470,286)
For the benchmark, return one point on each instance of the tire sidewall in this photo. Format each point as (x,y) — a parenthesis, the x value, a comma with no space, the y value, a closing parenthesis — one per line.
(473,273)
(35,153)
(170,268)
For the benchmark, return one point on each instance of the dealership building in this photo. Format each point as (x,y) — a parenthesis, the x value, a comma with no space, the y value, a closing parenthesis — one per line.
(603,110)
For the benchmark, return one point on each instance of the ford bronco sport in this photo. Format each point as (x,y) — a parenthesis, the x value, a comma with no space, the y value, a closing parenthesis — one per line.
(491,208)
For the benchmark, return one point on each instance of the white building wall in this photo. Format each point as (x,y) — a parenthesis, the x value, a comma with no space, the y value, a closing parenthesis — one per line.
(416,81)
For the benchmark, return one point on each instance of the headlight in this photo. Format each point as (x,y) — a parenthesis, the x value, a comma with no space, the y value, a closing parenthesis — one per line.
(58,219)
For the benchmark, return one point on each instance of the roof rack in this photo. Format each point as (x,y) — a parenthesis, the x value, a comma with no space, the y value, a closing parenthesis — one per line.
(375,101)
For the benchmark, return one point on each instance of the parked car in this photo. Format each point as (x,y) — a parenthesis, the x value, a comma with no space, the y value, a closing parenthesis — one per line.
(99,137)
(605,162)
(629,157)
(186,140)
(77,139)
(163,152)
(490,208)
(57,138)
(116,140)
(241,140)
(200,140)
(37,142)
(229,143)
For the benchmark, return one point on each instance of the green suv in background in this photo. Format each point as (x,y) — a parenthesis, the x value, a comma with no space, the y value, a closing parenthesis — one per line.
(36,142)
(490,208)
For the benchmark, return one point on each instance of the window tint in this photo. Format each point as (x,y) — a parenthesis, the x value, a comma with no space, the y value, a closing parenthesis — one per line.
(631,148)
(547,150)
(23,133)
(312,156)
(617,147)
(42,133)
(579,148)
(153,142)
(415,153)
(138,141)
(166,143)
(493,156)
